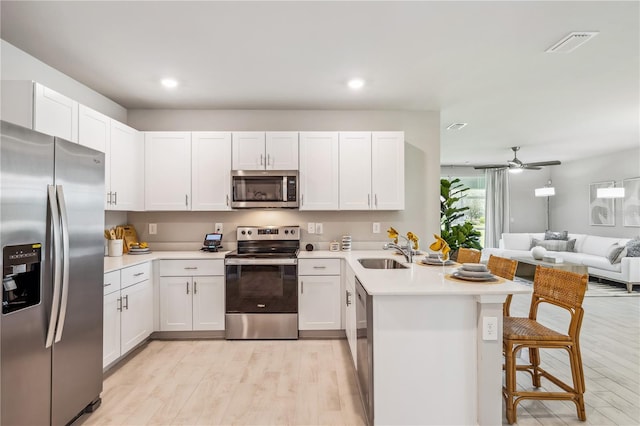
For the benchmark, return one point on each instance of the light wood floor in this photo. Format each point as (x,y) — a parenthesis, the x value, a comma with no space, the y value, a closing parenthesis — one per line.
(308,382)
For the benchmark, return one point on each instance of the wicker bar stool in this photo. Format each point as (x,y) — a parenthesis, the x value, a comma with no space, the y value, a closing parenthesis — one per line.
(505,268)
(565,290)
(467,255)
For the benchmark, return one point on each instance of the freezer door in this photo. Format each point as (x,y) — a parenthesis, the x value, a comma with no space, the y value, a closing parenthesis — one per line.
(26,169)
(77,351)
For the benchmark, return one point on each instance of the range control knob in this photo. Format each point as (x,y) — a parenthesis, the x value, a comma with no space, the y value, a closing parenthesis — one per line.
(249,232)
(286,231)
(243,232)
(293,231)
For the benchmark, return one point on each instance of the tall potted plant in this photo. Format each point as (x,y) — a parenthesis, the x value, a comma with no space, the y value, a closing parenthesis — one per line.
(456,232)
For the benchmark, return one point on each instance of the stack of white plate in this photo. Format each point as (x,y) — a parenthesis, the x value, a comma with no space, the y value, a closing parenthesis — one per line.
(138,250)
(346,243)
(432,259)
(474,272)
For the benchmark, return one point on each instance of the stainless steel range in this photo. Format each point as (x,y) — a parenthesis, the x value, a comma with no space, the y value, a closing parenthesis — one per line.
(262,283)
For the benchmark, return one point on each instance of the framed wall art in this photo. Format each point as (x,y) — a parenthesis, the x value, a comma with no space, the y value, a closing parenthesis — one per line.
(601,210)
(631,202)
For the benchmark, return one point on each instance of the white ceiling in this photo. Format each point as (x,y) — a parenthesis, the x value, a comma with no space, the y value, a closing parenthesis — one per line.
(483,63)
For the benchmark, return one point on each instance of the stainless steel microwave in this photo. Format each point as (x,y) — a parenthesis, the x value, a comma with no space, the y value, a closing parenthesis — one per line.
(264,188)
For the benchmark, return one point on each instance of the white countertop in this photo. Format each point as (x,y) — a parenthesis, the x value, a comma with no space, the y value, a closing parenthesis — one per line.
(115,263)
(414,280)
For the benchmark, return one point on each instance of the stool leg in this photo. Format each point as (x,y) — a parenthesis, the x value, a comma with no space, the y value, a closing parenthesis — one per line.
(510,382)
(534,358)
(578,380)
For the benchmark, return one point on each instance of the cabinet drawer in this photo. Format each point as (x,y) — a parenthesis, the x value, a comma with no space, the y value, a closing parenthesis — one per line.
(319,267)
(135,274)
(181,268)
(111,282)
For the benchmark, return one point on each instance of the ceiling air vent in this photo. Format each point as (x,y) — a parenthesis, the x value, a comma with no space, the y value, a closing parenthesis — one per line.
(456,126)
(572,41)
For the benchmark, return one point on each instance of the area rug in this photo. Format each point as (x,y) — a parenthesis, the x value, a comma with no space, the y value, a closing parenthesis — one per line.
(596,289)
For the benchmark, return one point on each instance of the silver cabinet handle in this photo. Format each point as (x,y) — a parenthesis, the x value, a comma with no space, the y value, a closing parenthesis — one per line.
(190,267)
(348,298)
(126,299)
(187,287)
(108,198)
(186,200)
(301,287)
(261,160)
(106,285)
(376,200)
(227,200)
(115,198)
(268,160)
(319,267)
(369,200)
(119,304)
(302,199)
(195,287)
(138,274)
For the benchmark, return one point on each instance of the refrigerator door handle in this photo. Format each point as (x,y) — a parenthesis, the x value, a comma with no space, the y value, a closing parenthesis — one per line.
(65,262)
(57,269)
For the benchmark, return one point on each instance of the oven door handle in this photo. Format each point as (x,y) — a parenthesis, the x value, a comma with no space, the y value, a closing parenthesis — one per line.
(261,261)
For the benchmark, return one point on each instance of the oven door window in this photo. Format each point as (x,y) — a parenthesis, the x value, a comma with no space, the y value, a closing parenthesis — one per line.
(261,289)
(257,188)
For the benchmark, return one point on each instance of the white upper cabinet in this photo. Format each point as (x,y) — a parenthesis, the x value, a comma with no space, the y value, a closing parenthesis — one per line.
(125,160)
(355,170)
(94,129)
(372,171)
(210,170)
(167,168)
(55,114)
(318,179)
(387,170)
(281,151)
(265,151)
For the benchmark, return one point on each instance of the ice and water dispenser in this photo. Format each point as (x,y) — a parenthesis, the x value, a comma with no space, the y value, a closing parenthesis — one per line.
(21,277)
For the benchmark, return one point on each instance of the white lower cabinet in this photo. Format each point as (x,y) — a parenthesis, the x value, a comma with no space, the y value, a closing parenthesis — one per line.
(194,301)
(128,310)
(319,294)
(350,325)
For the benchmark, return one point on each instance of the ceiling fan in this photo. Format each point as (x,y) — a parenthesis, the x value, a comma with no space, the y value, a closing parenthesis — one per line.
(517,165)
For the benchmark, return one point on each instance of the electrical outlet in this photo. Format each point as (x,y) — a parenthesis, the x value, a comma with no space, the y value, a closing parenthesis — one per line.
(153,228)
(489,328)
(318,228)
(311,228)
(219,228)
(376,227)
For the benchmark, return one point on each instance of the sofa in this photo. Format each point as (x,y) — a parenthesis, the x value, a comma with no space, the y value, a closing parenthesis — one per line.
(589,250)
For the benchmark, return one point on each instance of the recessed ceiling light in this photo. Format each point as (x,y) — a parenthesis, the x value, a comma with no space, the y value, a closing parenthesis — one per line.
(169,83)
(356,83)
(456,126)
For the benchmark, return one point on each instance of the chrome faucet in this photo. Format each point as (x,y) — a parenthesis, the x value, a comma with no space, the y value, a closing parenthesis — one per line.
(406,250)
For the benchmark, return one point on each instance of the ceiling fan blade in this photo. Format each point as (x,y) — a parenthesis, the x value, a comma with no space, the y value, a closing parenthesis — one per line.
(530,167)
(491,166)
(544,163)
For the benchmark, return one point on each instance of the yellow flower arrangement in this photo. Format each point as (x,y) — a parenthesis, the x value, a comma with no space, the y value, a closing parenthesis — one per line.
(441,245)
(414,239)
(392,233)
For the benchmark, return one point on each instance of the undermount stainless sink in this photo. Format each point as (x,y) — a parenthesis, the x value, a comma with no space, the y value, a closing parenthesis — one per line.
(381,264)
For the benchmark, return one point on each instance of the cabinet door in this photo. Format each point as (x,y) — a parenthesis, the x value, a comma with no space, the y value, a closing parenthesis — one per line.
(167,165)
(319,302)
(210,170)
(126,158)
(55,114)
(137,315)
(355,171)
(248,151)
(94,129)
(111,329)
(282,150)
(208,303)
(318,179)
(387,170)
(175,304)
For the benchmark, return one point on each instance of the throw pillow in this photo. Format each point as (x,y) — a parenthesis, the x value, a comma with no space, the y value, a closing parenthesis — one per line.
(614,254)
(555,245)
(551,235)
(633,248)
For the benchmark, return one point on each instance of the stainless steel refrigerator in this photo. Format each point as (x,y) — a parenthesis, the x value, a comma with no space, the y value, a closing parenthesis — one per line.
(51,235)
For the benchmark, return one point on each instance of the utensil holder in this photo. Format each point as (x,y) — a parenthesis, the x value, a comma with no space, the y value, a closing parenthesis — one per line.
(115,248)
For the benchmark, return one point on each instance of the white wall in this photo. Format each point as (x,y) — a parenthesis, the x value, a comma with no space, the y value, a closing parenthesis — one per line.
(16,64)
(422,171)
(572,179)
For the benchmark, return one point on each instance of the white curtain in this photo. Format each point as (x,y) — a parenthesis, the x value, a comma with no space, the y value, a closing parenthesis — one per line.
(497,206)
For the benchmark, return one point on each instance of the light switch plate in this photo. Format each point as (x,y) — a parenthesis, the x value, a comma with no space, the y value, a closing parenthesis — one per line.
(376,227)
(153,228)
(311,228)
(318,228)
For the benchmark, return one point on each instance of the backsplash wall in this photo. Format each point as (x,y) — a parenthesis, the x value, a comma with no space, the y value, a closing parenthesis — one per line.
(186,230)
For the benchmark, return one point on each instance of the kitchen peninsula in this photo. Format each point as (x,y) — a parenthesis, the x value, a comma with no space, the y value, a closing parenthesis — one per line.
(430,362)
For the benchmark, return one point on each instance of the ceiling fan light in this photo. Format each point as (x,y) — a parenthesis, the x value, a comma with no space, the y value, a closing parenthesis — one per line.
(515,170)
(610,193)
